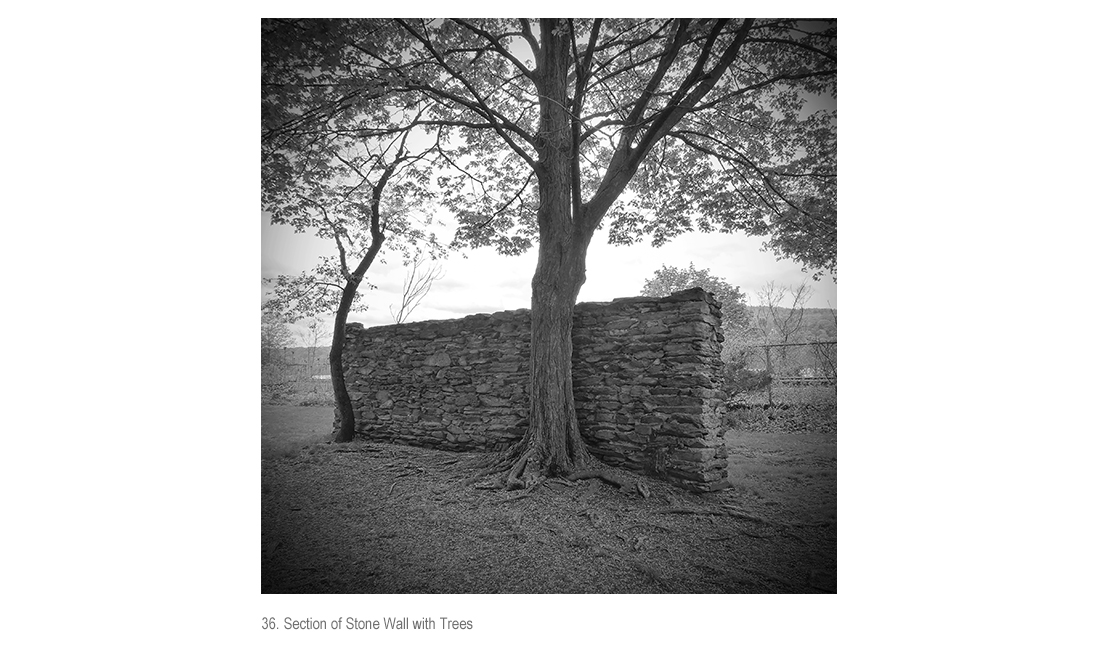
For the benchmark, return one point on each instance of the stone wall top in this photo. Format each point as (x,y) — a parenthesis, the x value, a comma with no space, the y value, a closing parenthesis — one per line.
(519,314)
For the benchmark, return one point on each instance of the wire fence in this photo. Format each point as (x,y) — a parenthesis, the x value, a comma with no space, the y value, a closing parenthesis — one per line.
(801,372)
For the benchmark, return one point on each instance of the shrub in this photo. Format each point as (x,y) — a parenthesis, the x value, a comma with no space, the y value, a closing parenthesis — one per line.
(739,379)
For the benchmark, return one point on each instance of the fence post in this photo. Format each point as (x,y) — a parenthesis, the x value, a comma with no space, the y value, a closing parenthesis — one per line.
(767,361)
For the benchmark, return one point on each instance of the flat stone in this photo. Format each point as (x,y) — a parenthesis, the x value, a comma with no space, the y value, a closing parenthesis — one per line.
(492,401)
(441,359)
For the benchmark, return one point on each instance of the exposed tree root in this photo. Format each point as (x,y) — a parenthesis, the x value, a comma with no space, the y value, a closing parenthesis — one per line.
(601,475)
(513,479)
(625,485)
(524,469)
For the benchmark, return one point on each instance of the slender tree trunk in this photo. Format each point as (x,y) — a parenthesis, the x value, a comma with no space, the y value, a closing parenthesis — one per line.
(347,426)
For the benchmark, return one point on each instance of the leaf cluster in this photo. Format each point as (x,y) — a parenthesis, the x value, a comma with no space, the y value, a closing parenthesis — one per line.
(669,279)
(672,125)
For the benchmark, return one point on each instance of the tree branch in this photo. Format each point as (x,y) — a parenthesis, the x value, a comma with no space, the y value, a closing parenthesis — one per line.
(625,161)
(810,48)
(479,105)
(498,47)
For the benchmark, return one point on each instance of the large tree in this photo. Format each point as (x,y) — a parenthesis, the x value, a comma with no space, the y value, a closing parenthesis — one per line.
(550,129)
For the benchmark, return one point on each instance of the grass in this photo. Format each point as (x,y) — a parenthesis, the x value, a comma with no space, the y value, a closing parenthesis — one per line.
(303,392)
(795,472)
(288,429)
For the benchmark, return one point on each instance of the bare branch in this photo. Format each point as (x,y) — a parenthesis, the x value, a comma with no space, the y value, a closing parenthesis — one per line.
(416,286)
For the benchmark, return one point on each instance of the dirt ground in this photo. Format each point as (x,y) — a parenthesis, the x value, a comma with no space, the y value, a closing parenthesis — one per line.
(377,518)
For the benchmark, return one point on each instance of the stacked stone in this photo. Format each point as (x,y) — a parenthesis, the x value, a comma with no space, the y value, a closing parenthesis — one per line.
(647,383)
(648,386)
(452,384)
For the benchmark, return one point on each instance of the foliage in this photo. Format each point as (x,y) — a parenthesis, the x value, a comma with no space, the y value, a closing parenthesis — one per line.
(739,379)
(710,125)
(670,279)
(794,418)
(808,237)
(335,180)
(354,181)
(275,336)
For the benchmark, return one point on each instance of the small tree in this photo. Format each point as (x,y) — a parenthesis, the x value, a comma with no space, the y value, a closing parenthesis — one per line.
(416,286)
(781,325)
(356,186)
(311,338)
(275,337)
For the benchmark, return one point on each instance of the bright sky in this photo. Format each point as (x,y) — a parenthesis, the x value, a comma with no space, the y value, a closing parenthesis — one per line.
(483,281)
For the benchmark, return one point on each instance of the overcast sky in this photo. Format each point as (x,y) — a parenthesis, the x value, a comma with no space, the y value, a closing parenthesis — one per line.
(483,281)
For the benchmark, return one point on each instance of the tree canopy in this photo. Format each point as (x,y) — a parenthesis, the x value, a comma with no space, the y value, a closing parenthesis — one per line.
(542,132)
(714,125)
(669,279)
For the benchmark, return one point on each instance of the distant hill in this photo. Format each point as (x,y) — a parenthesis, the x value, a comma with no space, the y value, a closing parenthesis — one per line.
(818,324)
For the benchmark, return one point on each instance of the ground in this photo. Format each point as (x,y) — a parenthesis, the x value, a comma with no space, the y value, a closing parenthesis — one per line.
(377,518)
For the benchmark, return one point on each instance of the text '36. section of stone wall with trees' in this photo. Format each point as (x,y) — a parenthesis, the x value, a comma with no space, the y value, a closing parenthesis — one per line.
(647,383)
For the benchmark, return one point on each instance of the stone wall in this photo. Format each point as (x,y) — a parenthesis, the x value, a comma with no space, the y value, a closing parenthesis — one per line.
(647,383)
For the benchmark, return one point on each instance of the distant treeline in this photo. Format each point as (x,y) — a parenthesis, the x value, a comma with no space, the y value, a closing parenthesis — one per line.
(817,324)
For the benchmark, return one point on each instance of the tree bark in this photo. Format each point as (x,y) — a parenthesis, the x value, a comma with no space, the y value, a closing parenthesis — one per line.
(553,443)
(347,426)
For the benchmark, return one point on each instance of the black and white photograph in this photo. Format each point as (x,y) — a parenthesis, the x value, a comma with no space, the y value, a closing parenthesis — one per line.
(548,306)
(545,347)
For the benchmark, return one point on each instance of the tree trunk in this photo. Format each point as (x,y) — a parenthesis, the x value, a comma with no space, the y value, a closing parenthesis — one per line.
(553,443)
(347,427)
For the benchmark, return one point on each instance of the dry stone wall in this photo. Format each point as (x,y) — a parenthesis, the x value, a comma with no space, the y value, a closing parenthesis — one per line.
(647,383)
